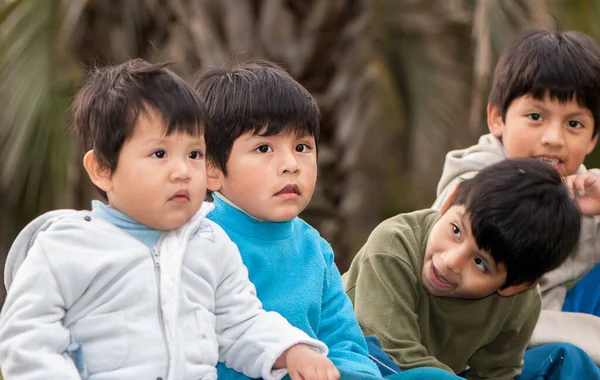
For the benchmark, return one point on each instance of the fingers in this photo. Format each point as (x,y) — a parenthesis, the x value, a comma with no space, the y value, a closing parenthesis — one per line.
(569,183)
(333,373)
(295,375)
(580,185)
(328,373)
(322,372)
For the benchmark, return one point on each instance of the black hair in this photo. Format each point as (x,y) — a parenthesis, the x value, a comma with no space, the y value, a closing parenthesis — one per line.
(566,65)
(522,214)
(257,97)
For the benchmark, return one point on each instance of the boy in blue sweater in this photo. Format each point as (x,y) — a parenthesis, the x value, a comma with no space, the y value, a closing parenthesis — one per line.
(262,170)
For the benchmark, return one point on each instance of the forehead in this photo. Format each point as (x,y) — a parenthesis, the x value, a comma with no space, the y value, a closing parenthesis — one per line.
(283,135)
(150,123)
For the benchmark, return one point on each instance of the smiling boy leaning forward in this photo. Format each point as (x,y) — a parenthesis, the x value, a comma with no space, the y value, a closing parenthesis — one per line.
(458,289)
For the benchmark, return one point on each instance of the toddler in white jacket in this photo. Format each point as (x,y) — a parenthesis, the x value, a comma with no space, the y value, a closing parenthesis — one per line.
(144,287)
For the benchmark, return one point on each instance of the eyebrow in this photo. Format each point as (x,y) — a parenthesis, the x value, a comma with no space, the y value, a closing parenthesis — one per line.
(541,105)
(580,114)
(163,141)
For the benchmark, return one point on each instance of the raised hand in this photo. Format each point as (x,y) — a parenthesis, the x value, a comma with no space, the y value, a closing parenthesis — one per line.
(585,189)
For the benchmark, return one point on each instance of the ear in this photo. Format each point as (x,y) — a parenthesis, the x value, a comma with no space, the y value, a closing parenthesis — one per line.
(592,144)
(514,289)
(99,175)
(494,119)
(214,177)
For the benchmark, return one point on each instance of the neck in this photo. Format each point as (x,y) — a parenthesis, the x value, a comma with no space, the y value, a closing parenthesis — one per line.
(233,217)
(148,236)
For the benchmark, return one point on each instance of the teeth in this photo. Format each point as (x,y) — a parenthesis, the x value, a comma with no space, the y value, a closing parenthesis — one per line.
(552,161)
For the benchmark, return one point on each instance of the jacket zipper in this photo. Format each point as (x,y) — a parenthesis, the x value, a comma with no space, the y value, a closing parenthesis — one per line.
(156,260)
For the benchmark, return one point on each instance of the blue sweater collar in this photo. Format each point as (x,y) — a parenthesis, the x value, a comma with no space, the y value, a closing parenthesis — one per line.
(231,217)
(143,233)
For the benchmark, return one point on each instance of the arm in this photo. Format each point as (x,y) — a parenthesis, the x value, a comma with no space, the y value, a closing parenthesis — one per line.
(385,300)
(503,357)
(585,187)
(338,327)
(32,337)
(251,339)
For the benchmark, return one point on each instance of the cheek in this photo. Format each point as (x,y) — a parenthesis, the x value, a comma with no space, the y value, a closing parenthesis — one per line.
(518,147)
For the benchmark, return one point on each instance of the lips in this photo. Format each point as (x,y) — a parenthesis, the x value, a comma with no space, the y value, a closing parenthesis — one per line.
(289,189)
(181,196)
(438,279)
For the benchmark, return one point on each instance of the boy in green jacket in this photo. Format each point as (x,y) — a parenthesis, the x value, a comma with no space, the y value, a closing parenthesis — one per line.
(457,289)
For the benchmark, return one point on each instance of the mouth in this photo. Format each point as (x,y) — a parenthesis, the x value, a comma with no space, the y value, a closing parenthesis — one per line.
(292,189)
(182,196)
(552,160)
(439,279)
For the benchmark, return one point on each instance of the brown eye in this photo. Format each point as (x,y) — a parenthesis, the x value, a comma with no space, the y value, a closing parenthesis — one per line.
(302,148)
(195,155)
(456,231)
(481,265)
(264,149)
(159,154)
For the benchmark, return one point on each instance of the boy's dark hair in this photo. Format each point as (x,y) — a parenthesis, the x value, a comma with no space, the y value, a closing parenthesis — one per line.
(106,108)
(521,212)
(242,98)
(565,64)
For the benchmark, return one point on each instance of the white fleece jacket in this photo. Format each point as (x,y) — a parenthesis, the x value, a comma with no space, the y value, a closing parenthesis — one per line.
(554,325)
(169,312)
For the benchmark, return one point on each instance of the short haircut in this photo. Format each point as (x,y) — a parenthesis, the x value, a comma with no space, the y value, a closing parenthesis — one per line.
(106,108)
(250,97)
(521,213)
(564,64)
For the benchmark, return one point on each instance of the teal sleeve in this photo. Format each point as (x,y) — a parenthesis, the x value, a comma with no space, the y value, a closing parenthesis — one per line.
(338,328)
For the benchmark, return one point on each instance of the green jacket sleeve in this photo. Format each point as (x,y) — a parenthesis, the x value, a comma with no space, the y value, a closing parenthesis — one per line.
(503,357)
(385,299)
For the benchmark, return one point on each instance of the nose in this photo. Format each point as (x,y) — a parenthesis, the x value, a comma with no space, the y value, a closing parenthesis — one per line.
(453,260)
(288,163)
(553,135)
(180,171)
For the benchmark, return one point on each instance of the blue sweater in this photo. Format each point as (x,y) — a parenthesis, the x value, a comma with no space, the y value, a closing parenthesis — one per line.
(293,270)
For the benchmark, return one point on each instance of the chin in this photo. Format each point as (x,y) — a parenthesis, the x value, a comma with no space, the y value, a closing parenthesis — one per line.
(280,218)
(173,224)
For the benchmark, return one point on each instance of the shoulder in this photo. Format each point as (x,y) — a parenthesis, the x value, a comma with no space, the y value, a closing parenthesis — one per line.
(410,228)
(303,228)
(530,301)
(82,226)
(397,244)
(525,307)
(211,238)
(312,240)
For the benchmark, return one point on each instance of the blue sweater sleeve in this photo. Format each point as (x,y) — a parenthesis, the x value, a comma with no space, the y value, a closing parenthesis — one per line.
(339,328)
